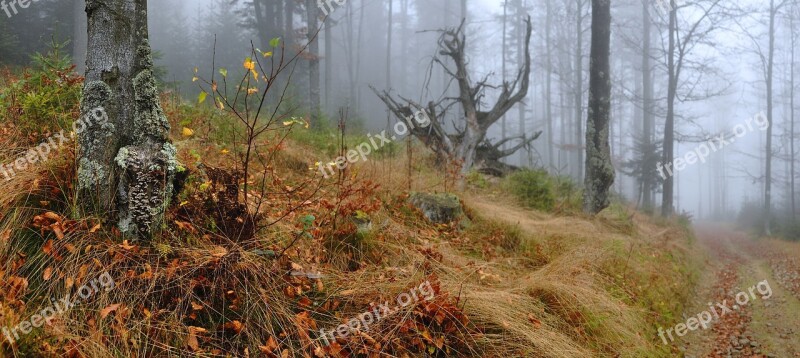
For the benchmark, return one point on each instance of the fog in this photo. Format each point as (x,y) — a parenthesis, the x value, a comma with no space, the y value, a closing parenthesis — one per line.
(723,50)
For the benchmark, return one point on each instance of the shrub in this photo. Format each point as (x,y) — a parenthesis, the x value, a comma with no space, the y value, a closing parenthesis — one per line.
(533,189)
(46,98)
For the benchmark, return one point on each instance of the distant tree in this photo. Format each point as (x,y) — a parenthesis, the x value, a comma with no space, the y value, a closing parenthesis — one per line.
(8,43)
(599,169)
(683,39)
(126,165)
(312,16)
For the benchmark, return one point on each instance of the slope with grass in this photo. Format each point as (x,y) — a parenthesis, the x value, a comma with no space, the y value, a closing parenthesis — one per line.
(505,281)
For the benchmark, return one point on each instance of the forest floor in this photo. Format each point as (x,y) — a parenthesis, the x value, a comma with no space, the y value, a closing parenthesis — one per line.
(769,323)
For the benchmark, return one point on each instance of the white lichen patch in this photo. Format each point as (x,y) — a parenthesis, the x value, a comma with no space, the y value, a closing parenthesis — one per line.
(90,173)
(95,94)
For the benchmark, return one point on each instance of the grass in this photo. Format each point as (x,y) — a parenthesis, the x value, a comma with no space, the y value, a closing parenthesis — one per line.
(512,282)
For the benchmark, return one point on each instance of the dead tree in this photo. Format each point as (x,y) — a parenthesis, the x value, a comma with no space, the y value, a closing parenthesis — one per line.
(468,145)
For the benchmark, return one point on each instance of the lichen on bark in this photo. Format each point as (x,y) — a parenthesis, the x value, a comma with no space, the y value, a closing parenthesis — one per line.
(127,165)
(148,166)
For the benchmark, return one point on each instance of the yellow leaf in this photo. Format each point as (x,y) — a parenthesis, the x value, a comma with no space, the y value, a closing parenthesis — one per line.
(267,54)
(202,97)
(205,186)
(252,90)
(187,132)
(194,79)
(224,151)
(249,64)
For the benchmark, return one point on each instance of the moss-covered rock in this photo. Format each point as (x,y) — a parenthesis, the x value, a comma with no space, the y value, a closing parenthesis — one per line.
(438,208)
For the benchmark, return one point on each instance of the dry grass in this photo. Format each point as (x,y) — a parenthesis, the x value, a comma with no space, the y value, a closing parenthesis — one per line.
(530,284)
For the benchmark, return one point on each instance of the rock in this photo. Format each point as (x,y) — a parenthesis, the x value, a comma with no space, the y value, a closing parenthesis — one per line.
(363,222)
(438,208)
(754,344)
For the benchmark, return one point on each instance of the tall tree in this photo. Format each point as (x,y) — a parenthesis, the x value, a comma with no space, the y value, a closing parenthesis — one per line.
(792,152)
(125,166)
(599,169)
(548,71)
(648,110)
(678,51)
(769,74)
(579,88)
(312,13)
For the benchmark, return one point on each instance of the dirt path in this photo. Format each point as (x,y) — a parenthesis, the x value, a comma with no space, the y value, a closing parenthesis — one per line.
(761,318)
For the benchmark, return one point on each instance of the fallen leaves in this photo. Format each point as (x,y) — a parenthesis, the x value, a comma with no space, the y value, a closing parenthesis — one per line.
(109,309)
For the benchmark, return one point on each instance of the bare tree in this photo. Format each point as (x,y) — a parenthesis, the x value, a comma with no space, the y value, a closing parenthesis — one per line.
(125,166)
(680,46)
(599,169)
(468,145)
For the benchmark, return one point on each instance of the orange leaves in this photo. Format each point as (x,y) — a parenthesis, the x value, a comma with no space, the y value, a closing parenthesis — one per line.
(50,221)
(15,287)
(236,326)
(269,347)
(191,339)
(47,274)
(111,308)
(186,226)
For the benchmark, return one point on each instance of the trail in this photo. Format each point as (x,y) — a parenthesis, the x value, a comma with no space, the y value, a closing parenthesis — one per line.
(765,321)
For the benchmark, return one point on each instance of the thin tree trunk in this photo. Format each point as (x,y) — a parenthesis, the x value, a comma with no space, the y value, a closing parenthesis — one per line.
(770,66)
(599,169)
(389,45)
(358,53)
(667,208)
(579,90)
(520,58)
(328,61)
(647,103)
(504,132)
(791,125)
(549,82)
(313,61)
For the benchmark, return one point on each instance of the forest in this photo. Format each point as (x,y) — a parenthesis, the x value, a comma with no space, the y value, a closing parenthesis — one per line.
(399,178)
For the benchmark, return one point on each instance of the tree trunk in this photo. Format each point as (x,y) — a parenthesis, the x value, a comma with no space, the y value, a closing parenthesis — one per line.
(389,45)
(548,95)
(522,109)
(313,61)
(770,66)
(599,169)
(504,129)
(579,91)
(791,118)
(647,104)
(328,61)
(667,208)
(126,165)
